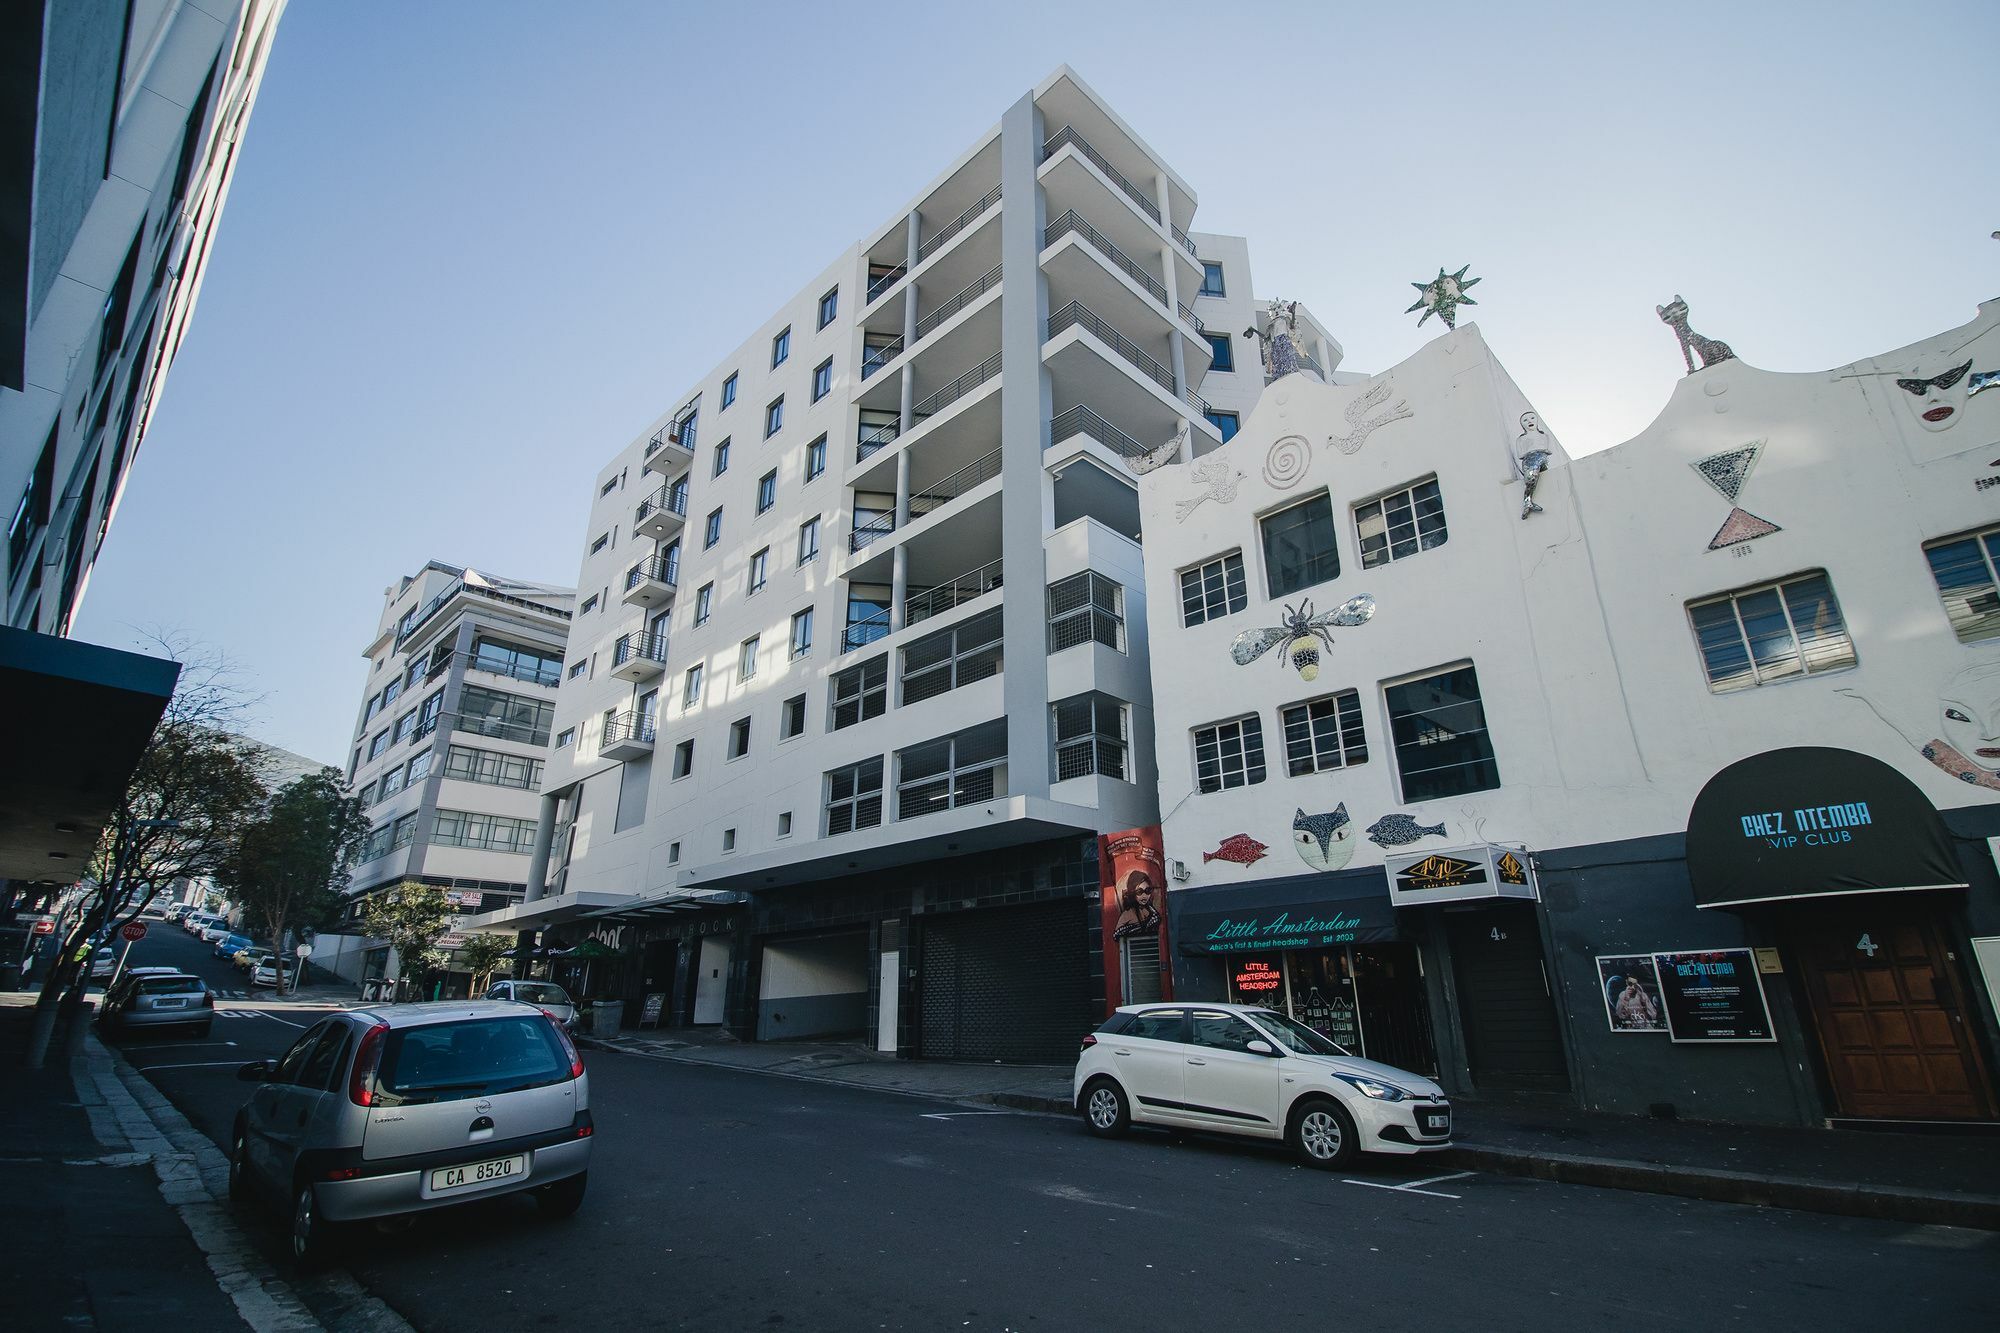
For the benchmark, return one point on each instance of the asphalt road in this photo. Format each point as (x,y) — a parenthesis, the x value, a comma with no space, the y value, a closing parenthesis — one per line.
(720,1198)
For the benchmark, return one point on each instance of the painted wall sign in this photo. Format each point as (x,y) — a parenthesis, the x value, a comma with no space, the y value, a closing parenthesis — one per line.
(1459,874)
(1278,914)
(1631,986)
(1810,822)
(1715,995)
(1132,899)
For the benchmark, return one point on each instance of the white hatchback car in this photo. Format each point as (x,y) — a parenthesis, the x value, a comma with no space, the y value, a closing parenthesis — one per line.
(1239,1069)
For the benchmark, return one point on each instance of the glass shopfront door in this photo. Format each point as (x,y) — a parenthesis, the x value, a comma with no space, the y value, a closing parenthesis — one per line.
(1367,997)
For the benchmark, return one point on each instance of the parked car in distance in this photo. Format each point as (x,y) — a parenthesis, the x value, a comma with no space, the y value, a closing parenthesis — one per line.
(193,921)
(1246,1070)
(246,960)
(210,934)
(265,973)
(227,945)
(159,997)
(175,911)
(103,963)
(382,1112)
(546,996)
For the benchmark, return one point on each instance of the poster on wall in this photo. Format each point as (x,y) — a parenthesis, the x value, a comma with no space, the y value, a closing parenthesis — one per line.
(1631,987)
(1715,995)
(1132,882)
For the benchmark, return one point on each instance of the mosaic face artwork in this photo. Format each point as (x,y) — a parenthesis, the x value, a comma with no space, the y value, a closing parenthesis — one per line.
(1727,472)
(1360,424)
(1218,482)
(1442,296)
(1675,316)
(1302,633)
(1324,842)
(1154,459)
(1239,848)
(1968,746)
(1938,402)
(1401,831)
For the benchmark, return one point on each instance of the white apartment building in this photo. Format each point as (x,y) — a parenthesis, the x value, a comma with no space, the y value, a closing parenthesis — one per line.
(450,743)
(119,159)
(859,672)
(1722,707)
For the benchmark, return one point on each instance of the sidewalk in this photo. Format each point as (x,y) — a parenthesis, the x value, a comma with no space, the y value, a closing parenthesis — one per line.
(1941,1179)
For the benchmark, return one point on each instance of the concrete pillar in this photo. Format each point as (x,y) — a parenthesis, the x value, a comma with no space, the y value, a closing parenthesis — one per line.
(538,856)
(908,389)
(899,585)
(1170,278)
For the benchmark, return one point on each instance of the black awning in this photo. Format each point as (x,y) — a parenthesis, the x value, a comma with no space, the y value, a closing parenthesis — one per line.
(1814,822)
(1298,912)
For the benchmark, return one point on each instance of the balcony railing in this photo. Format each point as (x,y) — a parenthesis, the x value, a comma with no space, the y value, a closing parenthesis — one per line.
(866,534)
(1080,420)
(875,435)
(628,727)
(948,488)
(1090,754)
(665,501)
(416,619)
(861,633)
(962,298)
(882,282)
(925,249)
(1076,314)
(1072,222)
(659,568)
(1181,238)
(651,647)
(1066,136)
(958,388)
(1190,316)
(967,586)
(874,356)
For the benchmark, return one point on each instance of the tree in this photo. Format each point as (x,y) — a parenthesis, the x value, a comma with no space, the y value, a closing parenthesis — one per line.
(482,955)
(291,861)
(413,917)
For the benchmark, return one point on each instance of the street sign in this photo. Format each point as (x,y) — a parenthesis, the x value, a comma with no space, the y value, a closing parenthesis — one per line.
(304,951)
(133,930)
(45,928)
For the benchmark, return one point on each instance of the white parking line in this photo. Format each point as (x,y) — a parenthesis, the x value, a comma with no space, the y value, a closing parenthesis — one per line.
(196,1064)
(959,1115)
(1411,1187)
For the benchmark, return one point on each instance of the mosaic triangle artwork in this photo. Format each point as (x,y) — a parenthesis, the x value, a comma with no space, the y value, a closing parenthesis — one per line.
(1728,471)
(1741,526)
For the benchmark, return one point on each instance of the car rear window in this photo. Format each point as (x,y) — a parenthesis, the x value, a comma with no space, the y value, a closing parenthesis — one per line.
(168,985)
(481,1057)
(539,992)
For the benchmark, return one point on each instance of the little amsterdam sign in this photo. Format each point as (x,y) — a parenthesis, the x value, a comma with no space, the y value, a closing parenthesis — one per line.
(1281,930)
(1282,914)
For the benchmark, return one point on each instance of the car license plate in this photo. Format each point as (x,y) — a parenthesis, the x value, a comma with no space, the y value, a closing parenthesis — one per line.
(1436,1122)
(170,1004)
(477,1173)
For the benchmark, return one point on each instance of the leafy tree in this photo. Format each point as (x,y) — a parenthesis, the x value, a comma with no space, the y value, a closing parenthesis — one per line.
(291,861)
(482,955)
(412,917)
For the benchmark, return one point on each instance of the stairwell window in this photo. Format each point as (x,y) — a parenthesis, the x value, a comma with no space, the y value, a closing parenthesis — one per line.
(1301,547)
(815,458)
(829,306)
(822,379)
(1213,589)
(1229,754)
(728,391)
(809,540)
(1772,632)
(767,491)
(854,797)
(1964,569)
(774,416)
(781,347)
(1323,734)
(1438,726)
(1400,524)
(1221,351)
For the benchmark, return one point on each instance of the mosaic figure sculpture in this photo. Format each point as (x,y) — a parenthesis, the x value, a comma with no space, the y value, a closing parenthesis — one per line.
(1675,316)
(1531,460)
(1278,341)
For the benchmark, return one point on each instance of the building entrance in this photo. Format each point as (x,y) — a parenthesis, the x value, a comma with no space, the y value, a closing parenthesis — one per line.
(1369,998)
(1512,1038)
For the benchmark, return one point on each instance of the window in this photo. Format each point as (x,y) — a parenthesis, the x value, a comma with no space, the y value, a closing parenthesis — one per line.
(1438,726)
(673,853)
(1300,548)
(378,745)
(760,565)
(516,660)
(684,758)
(816,458)
(959,770)
(691,687)
(1322,734)
(809,540)
(774,416)
(495,770)
(1963,567)
(767,491)
(589,605)
(720,463)
(603,540)
(802,632)
(784,823)
(1225,424)
(957,656)
(1086,608)
(854,797)
(711,531)
(374,706)
(576,668)
(739,738)
(413,675)
(729,840)
(1757,636)
(822,379)
(431,710)
(1090,736)
(792,722)
(420,767)
(829,306)
(485,712)
(1222,1032)
(493,833)
(367,796)
(1400,524)
(859,693)
(746,658)
(1213,590)
(392,782)
(405,725)
(391,691)
(566,737)
(728,391)
(1229,754)
(610,484)
(704,603)
(1211,280)
(781,347)
(1221,351)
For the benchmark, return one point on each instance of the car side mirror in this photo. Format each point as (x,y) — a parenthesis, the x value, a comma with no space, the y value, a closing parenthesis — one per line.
(1259,1048)
(256,1071)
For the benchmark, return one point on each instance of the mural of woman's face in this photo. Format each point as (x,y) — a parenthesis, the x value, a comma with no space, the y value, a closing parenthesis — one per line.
(1971,716)
(1939,401)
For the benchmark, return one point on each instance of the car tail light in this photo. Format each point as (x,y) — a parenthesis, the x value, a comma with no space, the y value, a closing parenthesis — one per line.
(343,1173)
(1089,1040)
(208,999)
(584,1131)
(361,1083)
(552,1016)
(569,1047)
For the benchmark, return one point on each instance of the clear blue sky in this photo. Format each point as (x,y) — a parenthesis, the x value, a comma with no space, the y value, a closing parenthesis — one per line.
(473,248)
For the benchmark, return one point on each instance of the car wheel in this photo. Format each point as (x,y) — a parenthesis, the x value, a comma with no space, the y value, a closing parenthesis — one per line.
(1322,1133)
(1105,1111)
(312,1235)
(563,1198)
(239,1169)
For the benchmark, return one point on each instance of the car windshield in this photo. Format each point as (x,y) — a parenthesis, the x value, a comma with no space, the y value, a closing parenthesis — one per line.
(539,992)
(444,1062)
(1295,1036)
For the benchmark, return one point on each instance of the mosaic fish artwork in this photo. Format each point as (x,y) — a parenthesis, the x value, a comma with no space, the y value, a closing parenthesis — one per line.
(1154,459)
(1532,465)
(1240,848)
(1741,526)
(1361,425)
(1401,831)
(1325,841)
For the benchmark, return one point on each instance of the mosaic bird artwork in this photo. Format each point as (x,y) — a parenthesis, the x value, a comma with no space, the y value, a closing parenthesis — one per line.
(1324,841)
(1219,485)
(1240,848)
(1401,831)
(1442,296)
(1302,633)
(1360,425)
(1154,459)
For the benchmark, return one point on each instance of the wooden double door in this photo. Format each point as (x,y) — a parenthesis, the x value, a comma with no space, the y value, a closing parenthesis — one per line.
(1888,1002)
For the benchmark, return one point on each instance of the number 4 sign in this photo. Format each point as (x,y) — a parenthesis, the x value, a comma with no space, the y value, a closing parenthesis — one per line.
(1866,945)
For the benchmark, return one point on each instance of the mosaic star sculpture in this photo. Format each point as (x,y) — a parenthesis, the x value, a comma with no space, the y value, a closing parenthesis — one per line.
(1442,296)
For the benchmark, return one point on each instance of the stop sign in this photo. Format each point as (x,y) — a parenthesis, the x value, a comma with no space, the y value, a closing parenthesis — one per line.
(133,930)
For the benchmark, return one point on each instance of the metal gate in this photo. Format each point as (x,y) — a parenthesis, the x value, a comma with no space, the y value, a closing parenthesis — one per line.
(1011,983)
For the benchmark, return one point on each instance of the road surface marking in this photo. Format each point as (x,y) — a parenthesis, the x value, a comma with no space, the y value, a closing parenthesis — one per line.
(1434,1180)
(1411,1187)
(1074,1195)
(956,1115)
(199,1064)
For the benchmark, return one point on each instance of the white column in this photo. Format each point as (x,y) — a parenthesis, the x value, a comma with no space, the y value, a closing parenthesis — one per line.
(538,855)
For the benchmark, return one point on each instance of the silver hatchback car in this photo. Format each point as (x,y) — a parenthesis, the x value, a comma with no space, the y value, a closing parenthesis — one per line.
(384,1112)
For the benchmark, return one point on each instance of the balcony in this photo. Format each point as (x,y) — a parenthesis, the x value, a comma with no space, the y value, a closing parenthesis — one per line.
(877,353)
(873,435)
(1121,382)
(661,514)
(953,592)
(651,583)
(882,280)
(671,449)
(627,737)
(927,498)
(936,402)
(1077,177)
(638,658)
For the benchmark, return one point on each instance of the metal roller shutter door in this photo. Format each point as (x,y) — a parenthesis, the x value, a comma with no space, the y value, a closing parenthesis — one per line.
(1007,984)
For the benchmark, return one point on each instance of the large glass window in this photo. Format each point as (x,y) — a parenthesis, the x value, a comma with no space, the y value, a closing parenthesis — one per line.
(489,833)
(1086,608)
(1964,568)
(859,693)
(1757,636)
(1090,736)
(493,769)
(1438,725)
(1213,589)
(967,652)
(1400,524)
(1300,546)
(1211,280)
(517,660)
(854,797)
(1229,754)
(487,712)
(1325,733)
(964,769)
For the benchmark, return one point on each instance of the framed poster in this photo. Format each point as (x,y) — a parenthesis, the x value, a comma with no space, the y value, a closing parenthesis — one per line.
(1713,995)
(1630,984)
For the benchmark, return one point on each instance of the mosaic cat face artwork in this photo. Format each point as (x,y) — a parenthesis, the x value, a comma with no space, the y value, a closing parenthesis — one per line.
(1727,472)
(1303,634)
(1324,841)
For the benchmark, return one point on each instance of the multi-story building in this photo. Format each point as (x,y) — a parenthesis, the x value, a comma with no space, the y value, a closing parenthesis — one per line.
(1665,776)
(858,673)
(450,742)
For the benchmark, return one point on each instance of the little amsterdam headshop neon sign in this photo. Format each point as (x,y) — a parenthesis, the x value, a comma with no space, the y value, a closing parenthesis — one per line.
(1233,934)
(1812,825)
